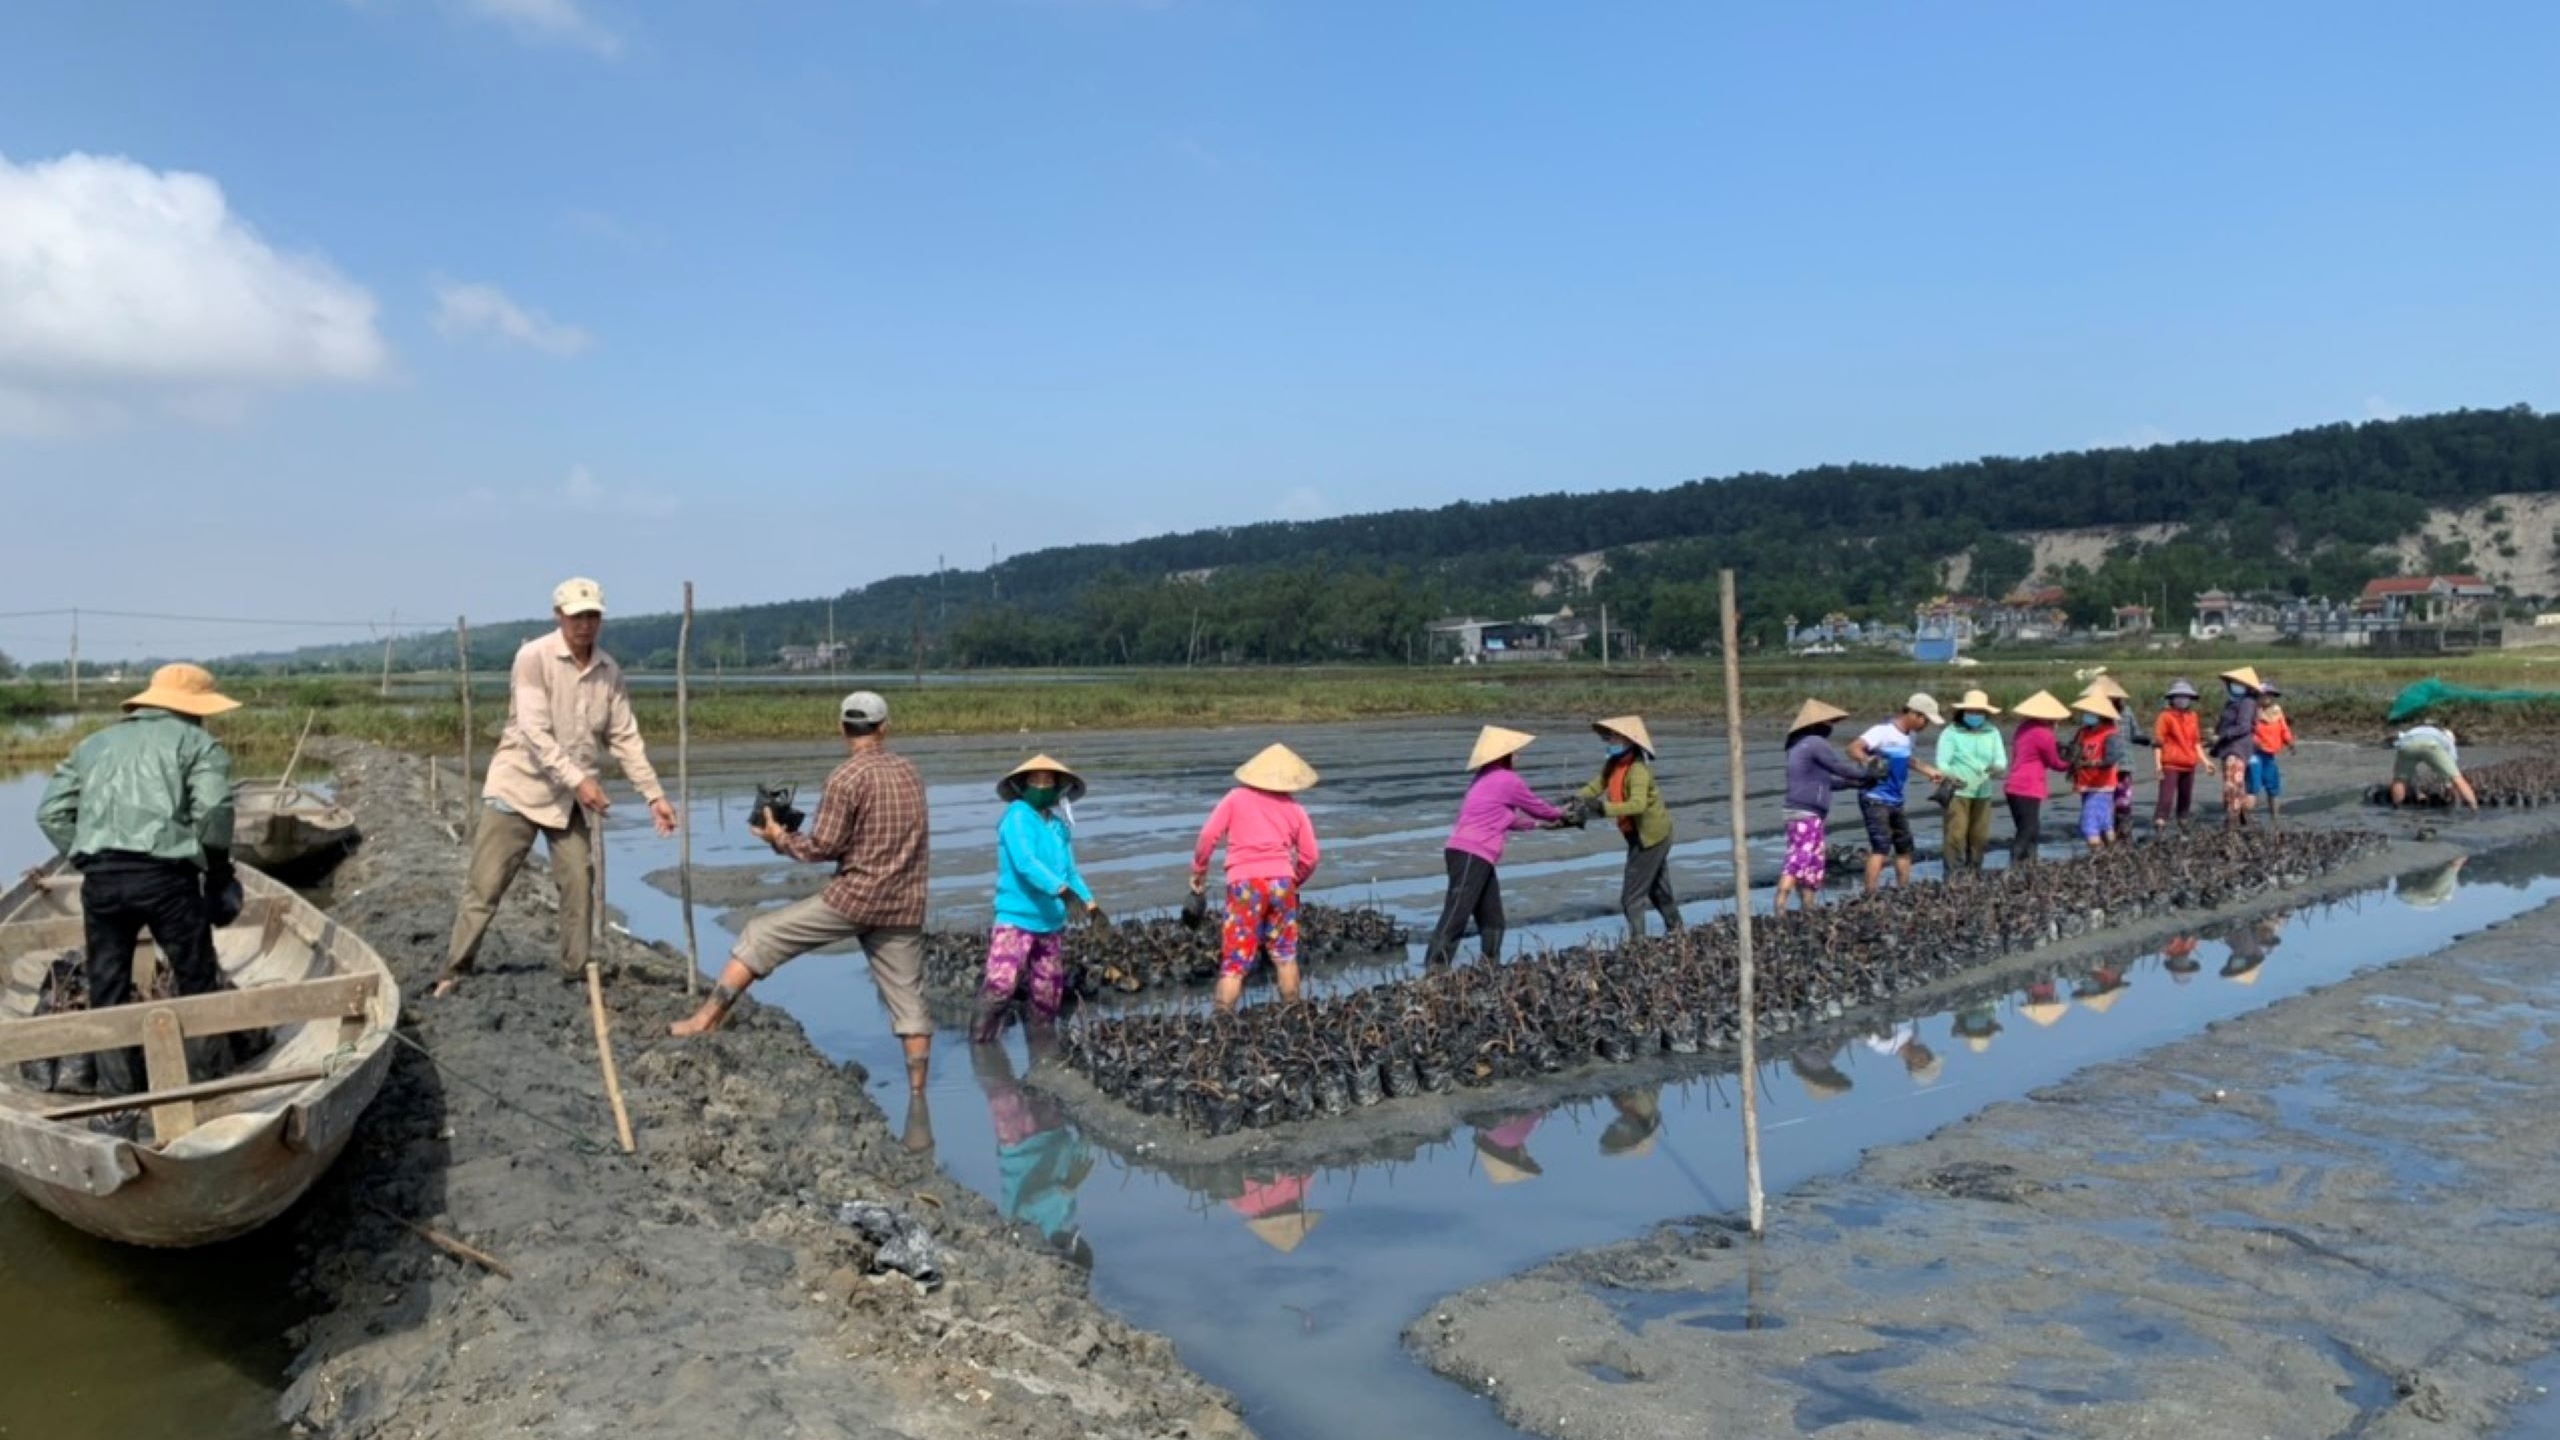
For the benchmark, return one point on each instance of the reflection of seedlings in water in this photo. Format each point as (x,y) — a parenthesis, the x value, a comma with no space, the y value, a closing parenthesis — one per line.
(1644,997)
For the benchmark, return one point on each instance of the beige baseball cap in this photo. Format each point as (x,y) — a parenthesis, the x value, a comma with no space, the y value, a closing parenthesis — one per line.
(1926,708)
(578,596)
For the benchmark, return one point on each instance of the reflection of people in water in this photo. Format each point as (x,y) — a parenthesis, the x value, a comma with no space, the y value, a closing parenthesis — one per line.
(1903,1043)
(1820,1071)
(2430,888)
(2044,1003)
(2179,958)
(1275,1210)
(1978,1023)
(1504,1149)
(1040,1158)
(2101,988)
(1639,1119)
(918,1136)
(2249,944)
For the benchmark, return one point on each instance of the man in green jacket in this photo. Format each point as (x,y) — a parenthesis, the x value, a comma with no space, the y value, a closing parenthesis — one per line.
(1625,792)
(143,808)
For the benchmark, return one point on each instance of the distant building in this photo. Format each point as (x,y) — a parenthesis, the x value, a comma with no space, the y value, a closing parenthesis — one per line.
(2030,612)
(2221,615)
(1469,640)
(2133,620)
(828,656)
(1942,628)
(2426,599)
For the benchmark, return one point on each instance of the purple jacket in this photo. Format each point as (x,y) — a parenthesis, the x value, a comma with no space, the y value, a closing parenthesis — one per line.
(1498,803)
(1814,770)
(2237,732)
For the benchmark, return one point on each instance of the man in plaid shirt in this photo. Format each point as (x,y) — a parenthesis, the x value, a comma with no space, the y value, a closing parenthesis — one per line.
(872,826)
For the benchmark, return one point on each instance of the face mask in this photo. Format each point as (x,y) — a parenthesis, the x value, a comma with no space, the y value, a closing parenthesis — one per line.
(1618,750)
(2088,722)
(2179,702)
(1041,797)
(2236,690)
(1976,722)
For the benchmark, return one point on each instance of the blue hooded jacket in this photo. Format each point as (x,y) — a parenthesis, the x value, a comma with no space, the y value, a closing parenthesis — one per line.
(1035,859)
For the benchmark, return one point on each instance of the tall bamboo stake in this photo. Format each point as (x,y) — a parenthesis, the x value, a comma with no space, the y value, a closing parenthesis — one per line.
(1750,1018)
(595,987)
(684,790)
(296,757)
(462,660)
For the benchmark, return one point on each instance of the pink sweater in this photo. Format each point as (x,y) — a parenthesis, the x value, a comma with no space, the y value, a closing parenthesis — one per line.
(2033,757)
(1268,837)
(1498,803)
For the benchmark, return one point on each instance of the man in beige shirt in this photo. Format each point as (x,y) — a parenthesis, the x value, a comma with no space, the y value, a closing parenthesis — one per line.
(566,706)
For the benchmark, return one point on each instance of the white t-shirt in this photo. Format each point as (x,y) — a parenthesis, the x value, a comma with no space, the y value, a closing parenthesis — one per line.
(1888,741)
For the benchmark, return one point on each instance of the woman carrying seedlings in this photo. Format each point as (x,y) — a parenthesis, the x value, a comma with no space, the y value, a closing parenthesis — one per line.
(1971,753)
(1498,802)
(1626,793)
(2097,756)
(2179,736)
(2274,735)
(1815,772)
(2235,741)
(2035,757)
(1037,889)
(1271,850)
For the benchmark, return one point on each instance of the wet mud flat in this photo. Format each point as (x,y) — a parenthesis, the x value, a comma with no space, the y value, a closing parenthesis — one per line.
(2330,1217)
(699,1287)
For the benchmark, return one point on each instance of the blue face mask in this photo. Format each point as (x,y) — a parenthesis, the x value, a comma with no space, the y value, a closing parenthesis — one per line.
(1973,721)
(2088,722)
(2179,702)
(1618,749)
(2236,690)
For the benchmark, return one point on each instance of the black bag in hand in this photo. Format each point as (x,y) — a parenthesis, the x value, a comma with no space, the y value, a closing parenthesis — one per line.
(1195,910)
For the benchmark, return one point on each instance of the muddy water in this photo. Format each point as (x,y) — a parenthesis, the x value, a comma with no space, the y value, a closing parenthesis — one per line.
(1293,1289)
(110,1341)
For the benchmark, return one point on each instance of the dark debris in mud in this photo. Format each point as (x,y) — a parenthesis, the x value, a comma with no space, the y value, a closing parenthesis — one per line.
(1677,994)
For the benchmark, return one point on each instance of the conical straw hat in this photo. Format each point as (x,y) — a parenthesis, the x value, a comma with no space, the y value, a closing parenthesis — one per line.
(1628,727)
(1070,784)
(2110,687)
(1493,743)
(2044,1012)
(1927,1071)
(2246,675)
(1284,1233)
(2096,704)
(1815,712)
(1503,1172)
(2244,977)
(1977,1043)
(1977,700)
(2043,706)
(1277,768)
(2104,1000)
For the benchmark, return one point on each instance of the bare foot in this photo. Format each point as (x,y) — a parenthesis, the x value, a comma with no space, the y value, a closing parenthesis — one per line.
(445,986)
(701,1022)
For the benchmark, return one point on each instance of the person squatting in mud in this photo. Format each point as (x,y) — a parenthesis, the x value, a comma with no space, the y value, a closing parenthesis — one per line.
(2428,753)
(143,811)
(1038,890)
(1271,852)
(1814,772)
(872,825)
(1498,802)
(2035,757)
(1626,793)
(1882,806)
(566,704)
(2235,742)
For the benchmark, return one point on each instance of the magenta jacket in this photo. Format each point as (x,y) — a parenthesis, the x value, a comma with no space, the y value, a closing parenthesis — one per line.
(2034,757)
(1498,803)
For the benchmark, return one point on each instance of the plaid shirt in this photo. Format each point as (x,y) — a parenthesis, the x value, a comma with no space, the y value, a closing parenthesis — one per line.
(871,822)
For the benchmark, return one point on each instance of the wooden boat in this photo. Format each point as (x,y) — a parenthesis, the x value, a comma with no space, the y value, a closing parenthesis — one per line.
(290,832)
(219,1157)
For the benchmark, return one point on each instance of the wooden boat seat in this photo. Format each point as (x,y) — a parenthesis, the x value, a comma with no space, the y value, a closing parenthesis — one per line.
(163,1027)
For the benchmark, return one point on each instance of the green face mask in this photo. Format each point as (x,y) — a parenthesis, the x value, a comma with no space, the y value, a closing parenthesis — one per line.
(1041,797)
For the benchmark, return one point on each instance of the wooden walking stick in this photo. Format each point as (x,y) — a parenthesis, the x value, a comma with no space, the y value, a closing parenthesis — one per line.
(684,791)
(595,990)
(296,757)
(1750,1019)
(462,660)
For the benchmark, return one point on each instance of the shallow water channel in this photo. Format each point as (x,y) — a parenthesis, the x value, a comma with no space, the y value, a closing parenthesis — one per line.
(1300,1315)
(1293,1289)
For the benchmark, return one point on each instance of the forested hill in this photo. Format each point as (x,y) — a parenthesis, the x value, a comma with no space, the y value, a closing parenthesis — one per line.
(2309,512)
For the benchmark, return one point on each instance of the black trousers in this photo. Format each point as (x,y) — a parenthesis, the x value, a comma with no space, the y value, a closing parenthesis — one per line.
(1475,893)
(2026,817)
(1648,882)
(120,898)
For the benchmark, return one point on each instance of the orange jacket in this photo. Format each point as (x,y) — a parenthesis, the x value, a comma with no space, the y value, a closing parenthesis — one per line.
(2275,732)
(2180,736)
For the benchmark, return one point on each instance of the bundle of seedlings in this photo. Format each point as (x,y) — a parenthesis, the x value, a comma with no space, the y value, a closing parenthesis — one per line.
(1599,1003)
(1131,957)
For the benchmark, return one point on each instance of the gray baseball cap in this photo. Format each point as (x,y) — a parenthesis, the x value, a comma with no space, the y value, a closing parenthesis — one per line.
(862,707)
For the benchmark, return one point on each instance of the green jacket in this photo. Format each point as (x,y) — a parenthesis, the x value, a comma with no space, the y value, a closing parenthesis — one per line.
(1978,759)
(153,784)
(1643,804)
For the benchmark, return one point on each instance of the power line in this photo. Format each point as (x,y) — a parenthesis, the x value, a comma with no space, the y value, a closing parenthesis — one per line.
(66,611)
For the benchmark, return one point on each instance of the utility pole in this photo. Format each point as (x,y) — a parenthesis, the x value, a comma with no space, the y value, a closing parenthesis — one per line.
(75,657)
(995,590)
(919,638)
(831,639)
(1604,635)
(386,654)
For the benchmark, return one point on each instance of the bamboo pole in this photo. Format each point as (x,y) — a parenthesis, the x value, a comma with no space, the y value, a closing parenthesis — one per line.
(462,661)
(446,1243)
(595,989)
(684,790)
(296,757)
(1750,1018)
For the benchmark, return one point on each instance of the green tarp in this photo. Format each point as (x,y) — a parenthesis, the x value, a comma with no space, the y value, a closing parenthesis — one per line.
(2418,699)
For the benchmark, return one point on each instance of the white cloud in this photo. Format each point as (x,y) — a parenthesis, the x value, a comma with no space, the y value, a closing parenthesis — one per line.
(123,287)
(583,491)
(473,309)
(1303,502)
(2377,408)
(550,22)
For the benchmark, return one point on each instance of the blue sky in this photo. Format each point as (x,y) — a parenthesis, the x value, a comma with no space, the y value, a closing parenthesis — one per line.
(492,291)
